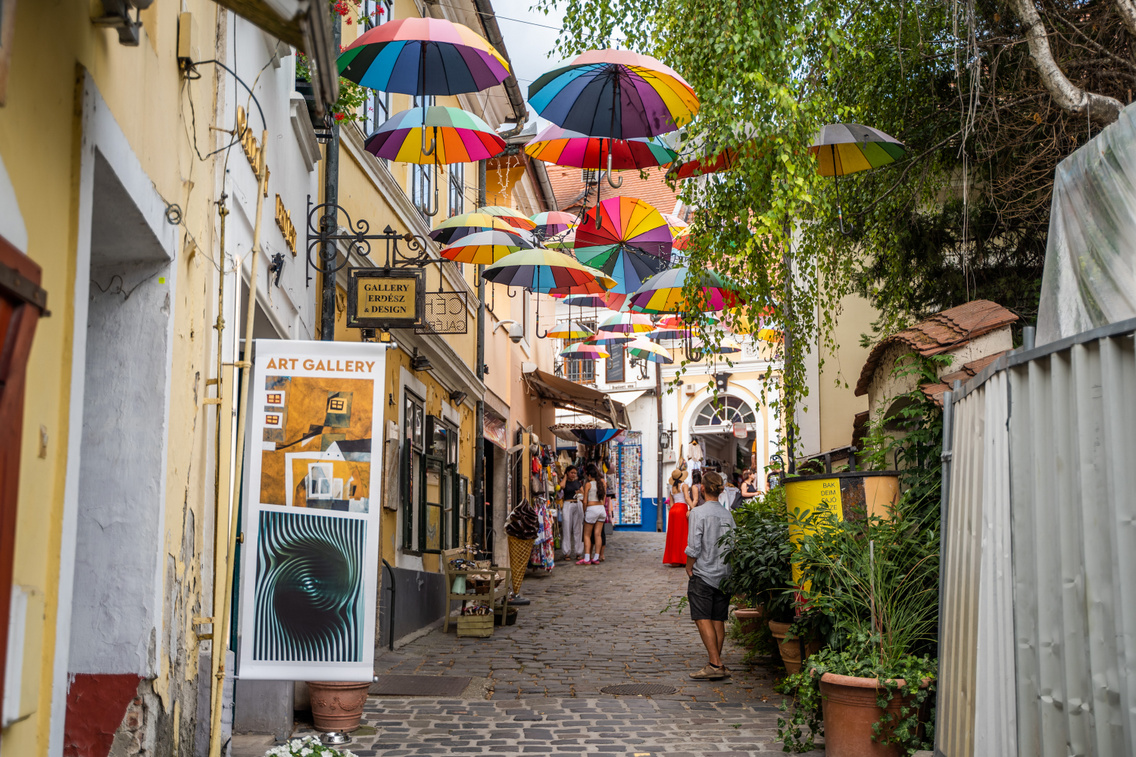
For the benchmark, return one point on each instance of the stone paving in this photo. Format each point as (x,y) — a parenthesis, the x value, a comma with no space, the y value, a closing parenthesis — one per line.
(537,684)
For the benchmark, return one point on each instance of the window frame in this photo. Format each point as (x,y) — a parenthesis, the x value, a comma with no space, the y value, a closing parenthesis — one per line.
(456,181)
(376,101)
(422,178)
(412,472)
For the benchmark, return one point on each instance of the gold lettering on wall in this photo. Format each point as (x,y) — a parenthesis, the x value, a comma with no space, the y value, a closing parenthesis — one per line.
(284,221)
(251,147)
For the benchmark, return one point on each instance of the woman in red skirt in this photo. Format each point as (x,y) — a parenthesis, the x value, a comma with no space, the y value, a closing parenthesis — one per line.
(675,551)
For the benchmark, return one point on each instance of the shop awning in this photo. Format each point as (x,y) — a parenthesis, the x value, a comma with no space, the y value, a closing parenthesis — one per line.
(572,396)
(496,429)
(305,25)
(627,397)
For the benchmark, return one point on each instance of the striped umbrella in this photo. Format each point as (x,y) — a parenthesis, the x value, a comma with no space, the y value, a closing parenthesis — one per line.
(423,56)
(569,330)
(562,147)
(842,149)
(625,238)
(457,227)
(584,301)
(553,223)
(484,247)
(511,216)
(608,338)
(645,349)
(664,293)
(626,323)
(547,270)
(674,223)
(728,347)
(460,137)
(583,351)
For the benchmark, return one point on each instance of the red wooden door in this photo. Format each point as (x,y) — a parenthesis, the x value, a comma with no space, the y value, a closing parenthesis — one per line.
(21,304)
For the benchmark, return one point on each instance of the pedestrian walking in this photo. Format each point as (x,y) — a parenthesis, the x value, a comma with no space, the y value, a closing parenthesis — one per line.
(749,485)
(709,605)
(675,551)
(573,514)
(595,515)
(694,494)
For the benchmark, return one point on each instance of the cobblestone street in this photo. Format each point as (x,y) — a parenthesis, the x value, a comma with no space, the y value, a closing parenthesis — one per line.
(535,686)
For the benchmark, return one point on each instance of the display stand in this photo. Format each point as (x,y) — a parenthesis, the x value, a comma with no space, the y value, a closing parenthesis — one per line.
(497,580)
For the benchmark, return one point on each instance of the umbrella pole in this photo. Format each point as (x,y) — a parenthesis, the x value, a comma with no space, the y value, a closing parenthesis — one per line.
(836,180)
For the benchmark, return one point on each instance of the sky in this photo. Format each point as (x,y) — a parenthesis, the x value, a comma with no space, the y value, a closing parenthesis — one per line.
(528,39)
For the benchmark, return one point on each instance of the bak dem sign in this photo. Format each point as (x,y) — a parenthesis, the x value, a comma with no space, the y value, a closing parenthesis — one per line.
(384,298)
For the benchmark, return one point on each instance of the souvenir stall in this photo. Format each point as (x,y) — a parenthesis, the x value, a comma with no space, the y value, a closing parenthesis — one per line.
(629,477)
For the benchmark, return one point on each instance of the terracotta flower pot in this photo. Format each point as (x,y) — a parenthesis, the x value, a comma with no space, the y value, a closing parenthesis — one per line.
(749,619)
(850,711)
(337,705)
(791,649)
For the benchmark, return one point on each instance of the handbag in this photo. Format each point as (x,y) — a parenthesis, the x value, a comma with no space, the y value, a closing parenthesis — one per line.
(607,529)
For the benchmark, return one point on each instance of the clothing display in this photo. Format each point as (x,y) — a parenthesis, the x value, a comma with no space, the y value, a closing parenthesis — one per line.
(572,529)
(543,554)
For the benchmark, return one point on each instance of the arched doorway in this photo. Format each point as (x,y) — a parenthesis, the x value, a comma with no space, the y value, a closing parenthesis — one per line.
(718,424)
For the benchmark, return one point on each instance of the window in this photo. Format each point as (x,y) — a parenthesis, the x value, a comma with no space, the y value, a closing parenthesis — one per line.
(377,106)
(580,371)
(422,177)
(614,373)
(411,473)
(457,189)
(726,411)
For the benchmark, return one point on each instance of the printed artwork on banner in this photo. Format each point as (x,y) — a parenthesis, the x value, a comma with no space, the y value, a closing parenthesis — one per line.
(309,577)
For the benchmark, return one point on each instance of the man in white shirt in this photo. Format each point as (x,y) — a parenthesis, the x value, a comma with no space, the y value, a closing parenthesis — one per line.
(709,605)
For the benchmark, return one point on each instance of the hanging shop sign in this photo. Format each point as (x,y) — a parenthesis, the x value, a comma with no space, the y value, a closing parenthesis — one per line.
(445,313)
(313,469)
(385,298)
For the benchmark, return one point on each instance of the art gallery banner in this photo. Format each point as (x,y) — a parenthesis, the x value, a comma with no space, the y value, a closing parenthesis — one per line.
(309,576)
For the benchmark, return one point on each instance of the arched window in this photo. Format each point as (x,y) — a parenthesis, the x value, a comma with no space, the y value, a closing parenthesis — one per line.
(725,411)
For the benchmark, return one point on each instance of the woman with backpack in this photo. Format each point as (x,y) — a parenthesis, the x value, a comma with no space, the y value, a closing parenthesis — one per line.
(595,515)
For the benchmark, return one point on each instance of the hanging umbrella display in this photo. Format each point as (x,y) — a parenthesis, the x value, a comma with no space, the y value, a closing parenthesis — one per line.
(511,216)
(674,223)
(728,347)
(842,149)
(453,229)
(625,238)
(569,330)
(552,223)
(681,239)
(583,351)
(573,149)
(645,349)
(594,436)
(615,300)
(584,301)
(423,56)
(610,338)
(669,335)
(664,293)
(547,270)
(626,323)
(484,247)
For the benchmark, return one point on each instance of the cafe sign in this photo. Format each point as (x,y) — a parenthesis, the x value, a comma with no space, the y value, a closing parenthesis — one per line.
(385,298)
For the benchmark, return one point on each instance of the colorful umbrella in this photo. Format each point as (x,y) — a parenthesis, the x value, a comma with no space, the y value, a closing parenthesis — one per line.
(557,145)
(609,338)
(687,169)
(626,238)
(772,336)
(681,239)
(423,56)
(584,301)
(626,323)
(460,137)
(553,223)
(615,300)
(594,436)
(674,223)
(583,351)
(842,149)
(569,330)
(484,247)
(511,216)
(664,293)
(728,347)
(453,229)
(669,335)
(546,270)
(616,94)
(564,241)
(645,349)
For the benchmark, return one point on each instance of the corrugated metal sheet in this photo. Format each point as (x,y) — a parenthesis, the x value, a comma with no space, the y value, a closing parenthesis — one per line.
(1038,638)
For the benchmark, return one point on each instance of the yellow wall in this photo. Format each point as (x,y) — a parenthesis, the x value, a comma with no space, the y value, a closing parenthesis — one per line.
(838,404)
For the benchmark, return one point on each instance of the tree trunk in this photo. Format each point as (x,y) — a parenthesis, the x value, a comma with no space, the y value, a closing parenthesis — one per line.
(1102,110)
(1127,10)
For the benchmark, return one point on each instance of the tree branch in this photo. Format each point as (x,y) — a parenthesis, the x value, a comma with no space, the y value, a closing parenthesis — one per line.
(1102,110)
(1127,10)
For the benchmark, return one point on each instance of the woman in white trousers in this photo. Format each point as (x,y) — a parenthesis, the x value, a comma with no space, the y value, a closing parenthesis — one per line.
(573,515)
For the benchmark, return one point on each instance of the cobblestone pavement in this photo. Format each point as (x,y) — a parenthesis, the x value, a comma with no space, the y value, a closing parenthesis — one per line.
(538,682)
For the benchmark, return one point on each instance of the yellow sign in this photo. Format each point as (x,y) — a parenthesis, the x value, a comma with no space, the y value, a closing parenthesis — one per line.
(391,298)
(284,221)
(251,147)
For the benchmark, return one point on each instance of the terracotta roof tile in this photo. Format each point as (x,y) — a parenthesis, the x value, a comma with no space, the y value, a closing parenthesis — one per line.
(940,333)
(568,186)
(934,392)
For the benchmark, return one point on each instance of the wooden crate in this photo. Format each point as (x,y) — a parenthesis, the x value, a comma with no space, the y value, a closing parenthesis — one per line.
(480,626)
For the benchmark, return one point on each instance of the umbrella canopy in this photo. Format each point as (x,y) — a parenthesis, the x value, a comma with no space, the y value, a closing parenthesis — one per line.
(585,301)
(565,240)
(681,238)
(557,145)
(484,247)
(569,330)
(728,347)
(627,323)
(669,335)
(687,169)
(842,149)
(674,223)
(453,229)
(664,293)
(546,270)
(609,338)
(645,349)
(594,436)
(423,56)
(632,241)
(614,300)
(553,223)
(459,137)
(772,336)
(583,351)
(616,94)
(511,216)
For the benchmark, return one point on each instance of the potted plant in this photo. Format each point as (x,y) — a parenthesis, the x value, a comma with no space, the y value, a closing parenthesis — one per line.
(309,746)
(337,706)
(876,581)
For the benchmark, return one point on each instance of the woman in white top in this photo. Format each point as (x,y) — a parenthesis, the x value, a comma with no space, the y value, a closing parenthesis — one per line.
(674,553)
(595,515)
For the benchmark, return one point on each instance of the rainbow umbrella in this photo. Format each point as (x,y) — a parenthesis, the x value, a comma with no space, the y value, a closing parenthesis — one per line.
(423,56)
(609,338)
(546,270)
(457,227)
(645,349)
(681,238)
(728,347)
(664,293)
(569,330)
(626,238)
(674,223)
(460,137)
(511,216)
(562,147)
(614,300)
(553,223)
(616,94)
(626,323)
(564,241)
(484,247)
(594,436)
(583,351)
(584,301)
(842,149)
(724,160)
(669,335)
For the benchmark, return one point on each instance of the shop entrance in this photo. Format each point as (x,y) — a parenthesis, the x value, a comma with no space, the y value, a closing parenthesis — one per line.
(726,428)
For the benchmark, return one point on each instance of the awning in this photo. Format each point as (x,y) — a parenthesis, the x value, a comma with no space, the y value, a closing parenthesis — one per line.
(496,429)
(572,396)
(627,397)
(305,25)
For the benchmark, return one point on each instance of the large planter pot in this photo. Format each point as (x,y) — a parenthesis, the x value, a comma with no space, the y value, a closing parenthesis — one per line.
(749,619)
(850,711)
(337,705)
(790,649)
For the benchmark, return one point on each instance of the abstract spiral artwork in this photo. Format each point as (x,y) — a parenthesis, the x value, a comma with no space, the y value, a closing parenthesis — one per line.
(308,600)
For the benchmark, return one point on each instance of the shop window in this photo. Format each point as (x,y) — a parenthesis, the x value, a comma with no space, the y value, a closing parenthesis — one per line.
(412,473)
(726,411)
(457,189)
(580,371)
(422,178)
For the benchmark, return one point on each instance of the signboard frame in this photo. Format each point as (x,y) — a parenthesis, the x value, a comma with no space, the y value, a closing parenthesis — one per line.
(356,276)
